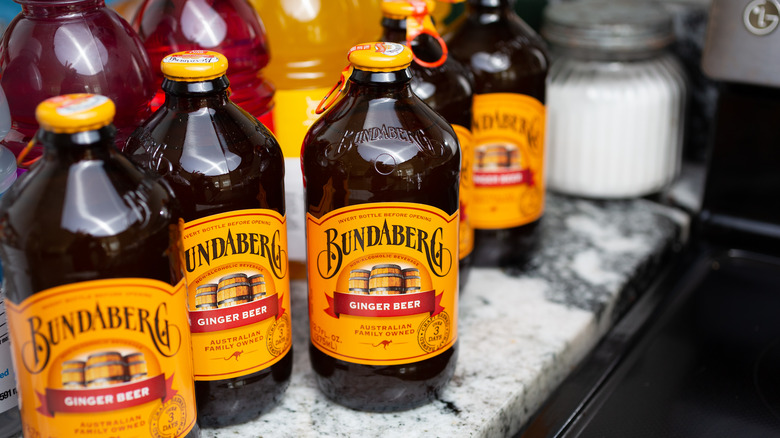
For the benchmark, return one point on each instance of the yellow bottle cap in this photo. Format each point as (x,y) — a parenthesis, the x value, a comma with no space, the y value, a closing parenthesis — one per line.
(400,9)
(72,113)
(380,57)
(194,65)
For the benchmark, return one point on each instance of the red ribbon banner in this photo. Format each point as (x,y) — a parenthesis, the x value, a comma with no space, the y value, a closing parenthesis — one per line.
(205,321)
(127,395)
(497,179)
(384,306)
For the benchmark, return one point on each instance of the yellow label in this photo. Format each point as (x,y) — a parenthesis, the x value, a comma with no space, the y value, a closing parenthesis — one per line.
(466,243)
(383,282)
(239,292)
(508,160)
(294,113)
(104,358)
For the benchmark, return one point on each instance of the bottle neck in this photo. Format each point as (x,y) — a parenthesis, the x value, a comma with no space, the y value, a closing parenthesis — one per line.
(393,80)
(41,8)
(86,145)
(193,95)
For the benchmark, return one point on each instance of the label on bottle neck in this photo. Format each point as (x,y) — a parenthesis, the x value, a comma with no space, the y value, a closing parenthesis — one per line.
(239,292)
(8,393)
(508,176)
(466,233)
(383,282)
(104,358)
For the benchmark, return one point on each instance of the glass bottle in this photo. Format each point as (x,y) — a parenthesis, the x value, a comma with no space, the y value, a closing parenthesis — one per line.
(446,86)
(382,174)
(230,27)
(226,170)
(509,63)
(74,46)
(95,299)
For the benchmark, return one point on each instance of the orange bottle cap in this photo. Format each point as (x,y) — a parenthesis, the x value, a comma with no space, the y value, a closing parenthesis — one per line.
(400,9)
(194,65)
(380,57)
(72,113)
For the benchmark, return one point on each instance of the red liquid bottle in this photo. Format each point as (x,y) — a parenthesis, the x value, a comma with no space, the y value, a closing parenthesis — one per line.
(73,46)
(230,27)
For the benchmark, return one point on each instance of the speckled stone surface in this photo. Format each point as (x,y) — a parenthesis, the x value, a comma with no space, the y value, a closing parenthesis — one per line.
(520,332)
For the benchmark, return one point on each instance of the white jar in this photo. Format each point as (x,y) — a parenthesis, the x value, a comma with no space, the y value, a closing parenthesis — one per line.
(615,99)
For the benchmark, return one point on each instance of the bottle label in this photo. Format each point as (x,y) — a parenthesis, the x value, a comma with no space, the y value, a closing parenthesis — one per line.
(466,244)
(104,358)
(8,394)
(239,292)
(383,282)
(508,160)
(293,114)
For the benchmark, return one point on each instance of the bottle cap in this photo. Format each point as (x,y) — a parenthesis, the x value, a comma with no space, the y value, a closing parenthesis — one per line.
(194,65)
(73,113)
(380,57)
(400,9)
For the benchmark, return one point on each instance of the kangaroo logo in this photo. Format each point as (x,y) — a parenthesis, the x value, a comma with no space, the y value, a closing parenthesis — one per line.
(383,344)
(235,354)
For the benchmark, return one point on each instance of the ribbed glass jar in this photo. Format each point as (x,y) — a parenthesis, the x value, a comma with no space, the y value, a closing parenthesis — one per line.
(615,99)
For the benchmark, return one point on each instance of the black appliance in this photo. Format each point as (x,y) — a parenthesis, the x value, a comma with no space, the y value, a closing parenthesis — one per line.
(699,354)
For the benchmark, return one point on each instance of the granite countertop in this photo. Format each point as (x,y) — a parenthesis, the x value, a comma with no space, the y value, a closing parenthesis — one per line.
(521,333)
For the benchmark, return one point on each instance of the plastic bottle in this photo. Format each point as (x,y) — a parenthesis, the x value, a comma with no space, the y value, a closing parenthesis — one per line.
(10,422)
(226,170)
(72,46)
(308,39)
(382,176)
(445,85)
(230,27)
(95,298)
(509,63)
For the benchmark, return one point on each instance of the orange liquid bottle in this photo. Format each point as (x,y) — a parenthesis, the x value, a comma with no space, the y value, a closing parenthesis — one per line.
(382,178)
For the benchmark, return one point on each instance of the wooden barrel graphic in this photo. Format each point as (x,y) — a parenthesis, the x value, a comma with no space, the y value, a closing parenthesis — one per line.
(386,284)
(73,374)
(412,284)
(206,306)
(514,157)
(411,272)
(385,269)
(106,371)
(206,298)
(103,357)
(235,290)
(136,364)
(257,286)
(494,156)
(232,279)
(230,302)
(359,273)
(358,285)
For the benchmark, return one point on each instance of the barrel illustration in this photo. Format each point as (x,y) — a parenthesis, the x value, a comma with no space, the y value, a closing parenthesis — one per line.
(412,284)
(493,156)
(386,284)
(105,374)
(232,279)
(103,357)
(385,269)
(359,273)
(206,294)
(230,302)
(257,286)
(136,366)
(358,285)
(73,374)
(233,291)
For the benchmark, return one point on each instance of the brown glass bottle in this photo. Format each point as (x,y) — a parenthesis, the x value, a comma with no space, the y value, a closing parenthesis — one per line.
(84,214)
(358,154)
(505,56)
(217,159)
(447,87)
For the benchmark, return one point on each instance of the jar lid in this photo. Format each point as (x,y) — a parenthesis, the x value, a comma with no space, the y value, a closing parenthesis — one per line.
(71,113)
(380,57)
(194,65)
(614,26)
(399,9)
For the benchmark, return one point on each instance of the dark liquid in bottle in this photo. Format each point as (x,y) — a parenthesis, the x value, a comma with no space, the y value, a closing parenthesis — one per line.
(125,226)
(505,56)
(447,89)
(340,172)
(240,167)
